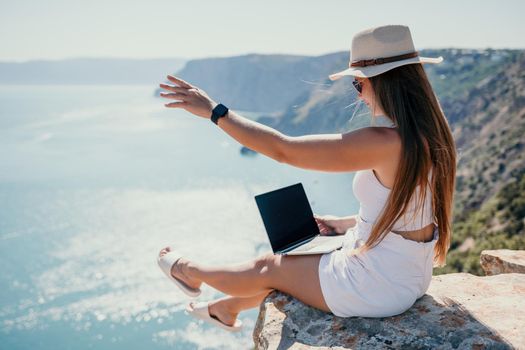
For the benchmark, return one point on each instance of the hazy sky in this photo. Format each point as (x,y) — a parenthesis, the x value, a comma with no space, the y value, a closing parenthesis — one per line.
(54,29)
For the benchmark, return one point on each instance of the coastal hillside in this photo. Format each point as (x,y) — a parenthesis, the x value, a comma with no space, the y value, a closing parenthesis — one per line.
(330,109)
(482,93)
(253,82)
(489,129)
(293,93)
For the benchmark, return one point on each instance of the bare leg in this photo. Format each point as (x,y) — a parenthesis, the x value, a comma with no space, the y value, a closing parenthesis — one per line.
(294,275)
(228,308)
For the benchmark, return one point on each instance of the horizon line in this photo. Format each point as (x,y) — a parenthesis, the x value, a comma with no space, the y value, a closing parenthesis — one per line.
(72,58)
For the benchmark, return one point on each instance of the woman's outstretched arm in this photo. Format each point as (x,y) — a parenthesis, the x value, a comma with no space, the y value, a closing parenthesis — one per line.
(365,148)
(256,136)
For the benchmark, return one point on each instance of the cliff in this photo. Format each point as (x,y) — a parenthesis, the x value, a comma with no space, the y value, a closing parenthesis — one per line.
(262,83)
(482,93)
(459,311)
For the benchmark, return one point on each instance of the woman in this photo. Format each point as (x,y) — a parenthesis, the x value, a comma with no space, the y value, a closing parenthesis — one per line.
(405,176)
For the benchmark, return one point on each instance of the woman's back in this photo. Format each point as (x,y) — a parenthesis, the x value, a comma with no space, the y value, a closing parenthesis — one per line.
(417,223)
(372,196)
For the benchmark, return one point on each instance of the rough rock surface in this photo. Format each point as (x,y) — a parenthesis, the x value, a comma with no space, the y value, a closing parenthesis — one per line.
(459,311)
(499,261)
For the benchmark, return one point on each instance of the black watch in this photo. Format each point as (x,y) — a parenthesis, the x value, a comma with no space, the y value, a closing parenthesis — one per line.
(219,111)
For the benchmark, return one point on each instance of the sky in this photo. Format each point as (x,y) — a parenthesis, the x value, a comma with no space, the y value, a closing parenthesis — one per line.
(58,29)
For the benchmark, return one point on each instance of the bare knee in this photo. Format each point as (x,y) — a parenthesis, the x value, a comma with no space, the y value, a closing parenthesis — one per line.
(266,265)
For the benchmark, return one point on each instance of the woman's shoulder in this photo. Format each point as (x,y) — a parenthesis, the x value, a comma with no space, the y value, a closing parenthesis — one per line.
(384,136)
(391,147)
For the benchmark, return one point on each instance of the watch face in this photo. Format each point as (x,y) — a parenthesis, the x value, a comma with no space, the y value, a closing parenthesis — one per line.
(220,109)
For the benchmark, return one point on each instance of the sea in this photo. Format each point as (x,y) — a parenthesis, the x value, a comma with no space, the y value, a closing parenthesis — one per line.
(94,181)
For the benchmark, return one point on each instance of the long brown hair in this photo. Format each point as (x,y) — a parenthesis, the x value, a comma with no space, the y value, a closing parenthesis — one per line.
(406,96)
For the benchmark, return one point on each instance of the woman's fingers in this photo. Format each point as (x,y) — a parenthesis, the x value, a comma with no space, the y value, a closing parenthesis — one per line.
(173,96)
(179,82)
(327,230)
(320,223)
(173,88)
(327,233)
(175,104)
(323,227)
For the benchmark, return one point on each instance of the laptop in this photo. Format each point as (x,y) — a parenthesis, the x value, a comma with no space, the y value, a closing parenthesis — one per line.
(290,223)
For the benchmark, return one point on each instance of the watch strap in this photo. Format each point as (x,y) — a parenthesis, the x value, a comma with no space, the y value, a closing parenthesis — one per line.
(219,111)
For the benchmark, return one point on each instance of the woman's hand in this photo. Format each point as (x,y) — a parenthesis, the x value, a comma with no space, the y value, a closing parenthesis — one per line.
(191,98)
(330,225)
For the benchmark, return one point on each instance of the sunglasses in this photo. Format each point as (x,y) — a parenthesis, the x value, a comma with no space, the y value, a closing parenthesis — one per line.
(358,85)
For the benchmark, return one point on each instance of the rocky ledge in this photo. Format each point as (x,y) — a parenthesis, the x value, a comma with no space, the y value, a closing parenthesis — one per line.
(499,261)
(459,311)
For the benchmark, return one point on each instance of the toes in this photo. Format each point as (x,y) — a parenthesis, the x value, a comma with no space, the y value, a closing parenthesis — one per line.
(191,306)
(164,251)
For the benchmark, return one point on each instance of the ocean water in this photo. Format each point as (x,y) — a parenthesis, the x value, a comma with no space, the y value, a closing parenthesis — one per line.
(94,181)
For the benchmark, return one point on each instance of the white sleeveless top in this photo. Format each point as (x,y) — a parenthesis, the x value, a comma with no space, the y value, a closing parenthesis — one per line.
(372,197)
(388,279)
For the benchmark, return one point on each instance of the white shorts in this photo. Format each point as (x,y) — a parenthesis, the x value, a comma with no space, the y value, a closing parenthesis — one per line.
(384,281)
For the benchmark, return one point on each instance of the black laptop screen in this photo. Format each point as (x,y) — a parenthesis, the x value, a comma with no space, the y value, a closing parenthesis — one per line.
(287,216)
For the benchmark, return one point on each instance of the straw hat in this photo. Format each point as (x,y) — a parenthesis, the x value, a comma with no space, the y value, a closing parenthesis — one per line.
(377,50)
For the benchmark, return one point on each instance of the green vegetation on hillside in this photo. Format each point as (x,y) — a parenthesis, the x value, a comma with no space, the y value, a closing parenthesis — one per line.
(462,69)
(499,224)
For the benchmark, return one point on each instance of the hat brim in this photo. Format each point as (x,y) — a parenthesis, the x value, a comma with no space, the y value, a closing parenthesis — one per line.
(370,71)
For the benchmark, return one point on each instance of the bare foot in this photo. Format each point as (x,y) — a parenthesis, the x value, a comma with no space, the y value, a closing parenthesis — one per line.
(177,271)
(219,310)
